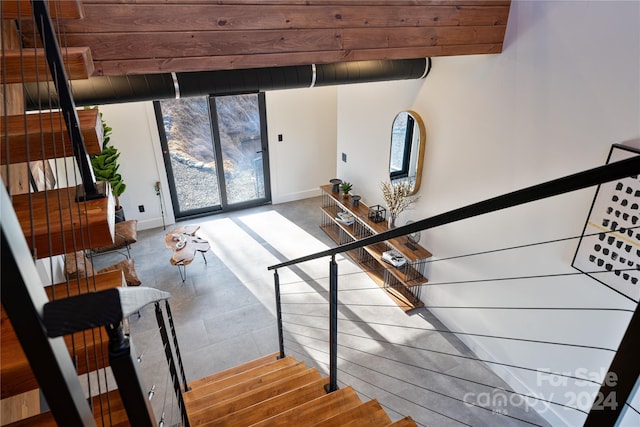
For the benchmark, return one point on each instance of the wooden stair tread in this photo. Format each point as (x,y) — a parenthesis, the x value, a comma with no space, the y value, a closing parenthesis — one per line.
(235,370)
(370,414)
(62,9)
(217,409)
(29,65)
(117,415)
(405,422)
(80,220)
(39,136)
(265,409)
(99,282)
(216,384)
(315,410)
(219,395)
(15,373)
(230,387)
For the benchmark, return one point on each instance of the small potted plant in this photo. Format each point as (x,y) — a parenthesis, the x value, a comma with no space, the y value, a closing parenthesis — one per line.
(346,188)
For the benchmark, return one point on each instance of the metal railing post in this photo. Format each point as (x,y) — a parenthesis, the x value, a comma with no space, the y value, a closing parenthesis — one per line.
(333,326)
(175,345)
(125,371)
(276,280)
(90,190)
(172,366)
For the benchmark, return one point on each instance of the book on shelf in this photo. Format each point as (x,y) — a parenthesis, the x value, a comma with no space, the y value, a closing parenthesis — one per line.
(394,258)
(345,218)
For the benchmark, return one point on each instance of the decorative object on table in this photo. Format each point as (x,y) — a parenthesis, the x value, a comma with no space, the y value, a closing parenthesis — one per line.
(345,218)
(355,200)
(608,248)
(397,196)
(105,167)
(412,238)
(346,187)
(377,213)
(394,258)
(185,244)
(335,182)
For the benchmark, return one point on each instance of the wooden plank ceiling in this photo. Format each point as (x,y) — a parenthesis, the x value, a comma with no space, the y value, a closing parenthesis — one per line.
(159,36)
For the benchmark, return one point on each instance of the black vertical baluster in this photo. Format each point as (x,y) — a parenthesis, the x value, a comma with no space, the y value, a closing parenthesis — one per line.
(54,58)
(333,326)
(276,280)
(124,367)
(175,345)
(172,366)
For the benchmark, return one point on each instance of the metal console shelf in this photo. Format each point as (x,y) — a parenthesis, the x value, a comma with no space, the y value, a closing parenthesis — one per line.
(401,283)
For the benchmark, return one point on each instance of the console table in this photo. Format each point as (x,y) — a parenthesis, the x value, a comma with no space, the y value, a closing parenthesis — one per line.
(402,283)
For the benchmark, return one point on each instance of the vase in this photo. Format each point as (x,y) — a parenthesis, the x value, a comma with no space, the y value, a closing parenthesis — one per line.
(392,222)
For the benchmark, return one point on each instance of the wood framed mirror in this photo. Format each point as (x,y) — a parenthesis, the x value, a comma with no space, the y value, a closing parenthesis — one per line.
(406,155)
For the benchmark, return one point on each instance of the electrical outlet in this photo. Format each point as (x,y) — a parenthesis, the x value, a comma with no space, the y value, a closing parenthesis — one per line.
(280,139)
(344,157)
(141,208)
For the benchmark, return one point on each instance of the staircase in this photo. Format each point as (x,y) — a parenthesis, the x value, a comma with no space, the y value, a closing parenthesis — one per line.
(269,392)
(266,391)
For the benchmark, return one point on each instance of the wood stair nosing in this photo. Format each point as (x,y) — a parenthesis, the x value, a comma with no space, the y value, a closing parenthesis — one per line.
(16,375)
(265,409)
(58,9)
(405,422)
(315,410)
(273,357)
(217,384)
(59,220)
(369,413)
(222,390)
(33,137)
(231,391)
(107,407)
(29,65)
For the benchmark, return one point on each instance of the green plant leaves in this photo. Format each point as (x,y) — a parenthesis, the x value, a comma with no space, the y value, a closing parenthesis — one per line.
(105,164)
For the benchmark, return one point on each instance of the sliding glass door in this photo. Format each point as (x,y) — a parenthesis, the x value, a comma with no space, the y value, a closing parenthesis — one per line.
(215,152)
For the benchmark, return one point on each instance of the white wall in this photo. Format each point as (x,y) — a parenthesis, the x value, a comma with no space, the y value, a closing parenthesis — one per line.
(135,134)
(306,156)
(303,161)
(564,89)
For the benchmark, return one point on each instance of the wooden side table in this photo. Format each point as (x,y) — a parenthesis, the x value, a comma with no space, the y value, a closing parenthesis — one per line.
(185,245)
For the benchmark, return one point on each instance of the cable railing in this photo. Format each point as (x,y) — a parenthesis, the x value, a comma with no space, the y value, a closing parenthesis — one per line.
(441,374)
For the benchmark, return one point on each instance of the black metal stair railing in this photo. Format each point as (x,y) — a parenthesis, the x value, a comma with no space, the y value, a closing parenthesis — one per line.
(629,349)
(90,189)
(171,361)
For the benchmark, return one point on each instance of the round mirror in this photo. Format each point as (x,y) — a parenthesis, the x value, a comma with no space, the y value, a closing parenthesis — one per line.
(407,149)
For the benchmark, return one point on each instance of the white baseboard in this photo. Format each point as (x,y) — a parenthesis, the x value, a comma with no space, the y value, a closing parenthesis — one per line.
(151,223)
(292,197)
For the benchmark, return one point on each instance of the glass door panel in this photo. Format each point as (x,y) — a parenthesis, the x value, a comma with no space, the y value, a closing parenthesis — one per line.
(189,155)
(215,152)
(242,148)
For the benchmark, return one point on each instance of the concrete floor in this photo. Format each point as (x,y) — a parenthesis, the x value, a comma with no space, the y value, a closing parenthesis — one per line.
(224,314)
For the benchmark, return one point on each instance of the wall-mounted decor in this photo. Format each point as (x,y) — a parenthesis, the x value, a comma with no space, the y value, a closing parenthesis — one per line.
(609,248)
(408,142)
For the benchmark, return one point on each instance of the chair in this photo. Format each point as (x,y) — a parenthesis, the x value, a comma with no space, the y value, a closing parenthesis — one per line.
(77,265)
(125,233)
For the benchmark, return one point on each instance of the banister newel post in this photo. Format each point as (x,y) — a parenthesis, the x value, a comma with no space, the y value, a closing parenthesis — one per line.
(333,326)
(276,280)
